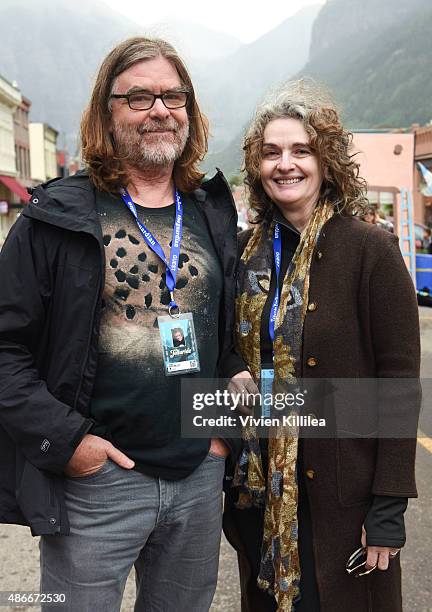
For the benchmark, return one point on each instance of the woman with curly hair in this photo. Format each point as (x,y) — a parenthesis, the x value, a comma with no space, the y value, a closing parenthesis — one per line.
(313,302)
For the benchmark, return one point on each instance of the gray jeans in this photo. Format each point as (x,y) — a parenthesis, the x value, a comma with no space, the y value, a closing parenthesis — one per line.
(170,531)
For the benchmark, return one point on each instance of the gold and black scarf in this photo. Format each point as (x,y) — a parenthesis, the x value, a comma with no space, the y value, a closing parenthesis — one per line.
(277,491)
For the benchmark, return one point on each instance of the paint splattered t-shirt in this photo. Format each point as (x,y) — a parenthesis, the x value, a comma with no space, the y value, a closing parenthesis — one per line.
(133,401)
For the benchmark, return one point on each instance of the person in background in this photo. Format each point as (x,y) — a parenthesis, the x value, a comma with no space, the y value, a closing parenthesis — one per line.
(383,222)
(314,301)
(427,239)
(375,217)
(370,215)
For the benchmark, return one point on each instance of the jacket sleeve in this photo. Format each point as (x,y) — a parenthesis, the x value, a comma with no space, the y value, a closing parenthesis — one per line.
(384,523)
(231,363)
(396,345)
(46,430)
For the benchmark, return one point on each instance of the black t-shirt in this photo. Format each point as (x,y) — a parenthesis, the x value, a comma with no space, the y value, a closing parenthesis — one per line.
(134,403)
(290,240)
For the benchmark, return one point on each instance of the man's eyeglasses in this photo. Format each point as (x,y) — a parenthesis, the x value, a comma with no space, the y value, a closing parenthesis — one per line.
(144,100)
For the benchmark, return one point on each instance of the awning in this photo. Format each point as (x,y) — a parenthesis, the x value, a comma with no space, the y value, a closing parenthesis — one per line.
(13,185)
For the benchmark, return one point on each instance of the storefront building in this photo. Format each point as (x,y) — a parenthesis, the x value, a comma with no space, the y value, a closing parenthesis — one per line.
(13,193)
(422,154)
(43,152)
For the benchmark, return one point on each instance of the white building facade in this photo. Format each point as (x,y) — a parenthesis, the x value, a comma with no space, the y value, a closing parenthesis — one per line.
(43,152)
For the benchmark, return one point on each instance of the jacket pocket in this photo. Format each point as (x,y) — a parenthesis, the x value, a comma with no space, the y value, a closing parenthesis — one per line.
(214,457)
(355,467)
(36,495)
(108,466)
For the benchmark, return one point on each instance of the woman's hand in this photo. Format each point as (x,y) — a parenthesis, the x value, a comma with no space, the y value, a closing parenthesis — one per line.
(243,384)
(378,556)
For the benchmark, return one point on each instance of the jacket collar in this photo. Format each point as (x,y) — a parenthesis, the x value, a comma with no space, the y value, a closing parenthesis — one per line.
(278,217)
(216,192)
(70,203)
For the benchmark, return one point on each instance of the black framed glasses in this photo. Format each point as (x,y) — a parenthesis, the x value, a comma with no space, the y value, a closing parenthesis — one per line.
(144,100)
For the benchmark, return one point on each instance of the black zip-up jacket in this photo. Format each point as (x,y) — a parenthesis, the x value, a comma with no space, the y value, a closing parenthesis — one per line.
(51,282)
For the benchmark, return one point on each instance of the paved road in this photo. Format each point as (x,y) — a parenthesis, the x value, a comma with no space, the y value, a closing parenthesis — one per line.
(19,551)
(417,552)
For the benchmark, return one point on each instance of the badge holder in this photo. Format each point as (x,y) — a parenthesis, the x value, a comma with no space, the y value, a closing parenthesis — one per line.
(179,344)
(266,389)
(177,332)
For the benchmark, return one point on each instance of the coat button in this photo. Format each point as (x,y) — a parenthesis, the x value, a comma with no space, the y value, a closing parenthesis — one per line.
(312,306)
(53,521)
(312,362)
(319,255)
(310,474)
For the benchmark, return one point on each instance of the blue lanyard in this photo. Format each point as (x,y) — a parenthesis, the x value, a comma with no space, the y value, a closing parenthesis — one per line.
(153,244)
(277,253)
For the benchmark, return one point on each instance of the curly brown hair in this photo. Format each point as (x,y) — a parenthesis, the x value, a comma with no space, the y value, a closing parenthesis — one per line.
(106,169)
(313,106)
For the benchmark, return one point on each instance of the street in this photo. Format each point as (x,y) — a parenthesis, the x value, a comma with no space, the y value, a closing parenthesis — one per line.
(19,551)
(416,554)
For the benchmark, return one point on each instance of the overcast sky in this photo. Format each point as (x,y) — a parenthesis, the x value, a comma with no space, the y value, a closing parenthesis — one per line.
(246,20)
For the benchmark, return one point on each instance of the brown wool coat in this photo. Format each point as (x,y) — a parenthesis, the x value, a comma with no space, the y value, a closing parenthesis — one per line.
(364,324)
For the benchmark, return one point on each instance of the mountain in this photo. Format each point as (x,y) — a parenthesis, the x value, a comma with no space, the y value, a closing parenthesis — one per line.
(375,57)
(53,50)
(195,42)
(345,26)
(231,87)
(240,81)
(382,78)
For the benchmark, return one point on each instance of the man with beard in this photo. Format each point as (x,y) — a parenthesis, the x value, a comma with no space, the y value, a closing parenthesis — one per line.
(90,422)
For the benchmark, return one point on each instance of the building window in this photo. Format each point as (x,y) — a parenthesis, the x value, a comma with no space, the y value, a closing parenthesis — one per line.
(383,200)
(386,203)
(27,163)
(17,159)
(386,197)
(372,197)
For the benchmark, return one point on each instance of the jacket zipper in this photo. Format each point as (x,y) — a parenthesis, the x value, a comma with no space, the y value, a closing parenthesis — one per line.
(95,303)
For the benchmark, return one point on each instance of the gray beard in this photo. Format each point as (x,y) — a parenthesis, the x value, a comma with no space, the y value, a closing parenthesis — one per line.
(135,150)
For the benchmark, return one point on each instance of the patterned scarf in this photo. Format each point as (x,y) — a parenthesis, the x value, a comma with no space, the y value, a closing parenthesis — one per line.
(280,567)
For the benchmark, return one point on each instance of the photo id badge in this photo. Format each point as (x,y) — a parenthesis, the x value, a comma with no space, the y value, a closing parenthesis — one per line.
(179,345)
(266,389)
